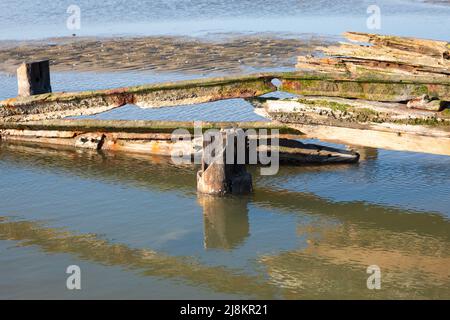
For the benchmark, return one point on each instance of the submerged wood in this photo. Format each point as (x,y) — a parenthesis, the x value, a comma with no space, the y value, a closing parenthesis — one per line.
(155,138)
(140,126)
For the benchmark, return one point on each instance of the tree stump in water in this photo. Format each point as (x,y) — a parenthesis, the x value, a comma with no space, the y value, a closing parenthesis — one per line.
(220,174)
(33,78)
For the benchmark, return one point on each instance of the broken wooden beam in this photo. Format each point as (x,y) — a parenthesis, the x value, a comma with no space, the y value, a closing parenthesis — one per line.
(33,78)
(367,123)
(376,90)
(155,137)
(433,48)
(64,104)
(140,126)
(390,54)
(377,67)
(349,112)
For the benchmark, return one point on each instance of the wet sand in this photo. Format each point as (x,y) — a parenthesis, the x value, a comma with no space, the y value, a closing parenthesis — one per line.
(230,54)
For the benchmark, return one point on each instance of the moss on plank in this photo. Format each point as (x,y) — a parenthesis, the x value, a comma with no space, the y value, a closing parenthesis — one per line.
(141,126)
(336,106)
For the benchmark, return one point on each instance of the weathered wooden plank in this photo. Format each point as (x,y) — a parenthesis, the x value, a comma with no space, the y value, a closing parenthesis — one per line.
(365,123)
(59,105)
(354,68)
(348,112)
(386,55)
(383,59)
(139,126)
(290,151)
(433,48)
(376,138)
(377,90)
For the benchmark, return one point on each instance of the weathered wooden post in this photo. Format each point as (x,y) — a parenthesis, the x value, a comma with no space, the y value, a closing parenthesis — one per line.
(33,78)
(219,174)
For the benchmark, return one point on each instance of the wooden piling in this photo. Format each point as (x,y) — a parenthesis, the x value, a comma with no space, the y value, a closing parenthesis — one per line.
(33,78)
(218,176)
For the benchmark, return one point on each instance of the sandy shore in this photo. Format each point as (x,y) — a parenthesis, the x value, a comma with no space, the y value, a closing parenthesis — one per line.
(230,54)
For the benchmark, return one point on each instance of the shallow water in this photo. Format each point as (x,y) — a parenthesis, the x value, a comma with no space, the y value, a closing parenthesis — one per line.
(31,19)
(137,228)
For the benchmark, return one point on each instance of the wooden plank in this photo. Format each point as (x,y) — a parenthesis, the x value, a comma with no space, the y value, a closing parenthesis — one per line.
(59,105)
(378,139)
(376,59)
(140,126)
(377,90)
(433,48)
(356,68)
(386,55)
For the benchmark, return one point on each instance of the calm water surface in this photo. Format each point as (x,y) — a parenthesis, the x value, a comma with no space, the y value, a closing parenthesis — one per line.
(137,228)
(34,19)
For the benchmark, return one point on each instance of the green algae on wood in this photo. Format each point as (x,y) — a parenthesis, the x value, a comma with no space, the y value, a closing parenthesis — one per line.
(367,90)
(141,126)
(59,105)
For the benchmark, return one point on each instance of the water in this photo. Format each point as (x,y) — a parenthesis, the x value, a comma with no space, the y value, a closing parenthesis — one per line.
(137,228)
(31,19)
(135,224)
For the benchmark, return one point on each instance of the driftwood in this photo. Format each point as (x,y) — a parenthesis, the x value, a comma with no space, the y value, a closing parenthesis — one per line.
(384,68)
(155,138)
(66,104)
(359,122)
(398,56)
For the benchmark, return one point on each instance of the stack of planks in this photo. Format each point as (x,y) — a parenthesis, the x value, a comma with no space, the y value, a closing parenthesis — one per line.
(385,58)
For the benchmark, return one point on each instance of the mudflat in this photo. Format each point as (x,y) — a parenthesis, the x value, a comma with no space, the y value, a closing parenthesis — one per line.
(226,54)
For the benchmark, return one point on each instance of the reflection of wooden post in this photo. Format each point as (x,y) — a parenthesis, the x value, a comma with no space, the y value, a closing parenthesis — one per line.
(33,78)
(225,219)
(219,177)
(365,153)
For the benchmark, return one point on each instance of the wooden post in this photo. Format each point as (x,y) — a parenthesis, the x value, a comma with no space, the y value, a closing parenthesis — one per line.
(33,78)
(218,176)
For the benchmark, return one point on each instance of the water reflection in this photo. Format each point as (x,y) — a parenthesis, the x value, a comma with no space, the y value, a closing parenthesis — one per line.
(365,153)
(226,224)
(148,262)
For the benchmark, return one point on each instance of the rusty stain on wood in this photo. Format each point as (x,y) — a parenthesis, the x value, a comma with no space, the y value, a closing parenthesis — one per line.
(62,104)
